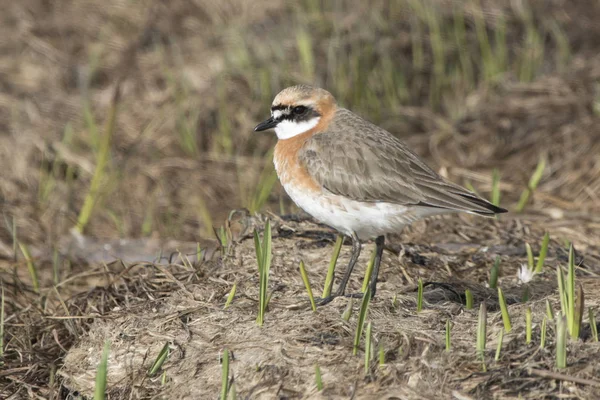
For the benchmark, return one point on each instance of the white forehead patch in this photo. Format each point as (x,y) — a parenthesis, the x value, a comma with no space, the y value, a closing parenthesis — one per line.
(288,129)
(277,113)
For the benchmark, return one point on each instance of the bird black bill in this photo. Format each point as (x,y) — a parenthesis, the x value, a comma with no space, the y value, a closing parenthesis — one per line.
(263,126)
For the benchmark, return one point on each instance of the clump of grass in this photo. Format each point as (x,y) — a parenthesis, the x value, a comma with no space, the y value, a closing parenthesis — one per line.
(230,296)
(504,310)
(94,192)
(331,269)
(318,378)
(160,360)
(368,347)
(561,342)
(225,375)
(469,299)
(364,306)
(528,325)
(499,345)
(494,273)
(482,333)
(419,295)
(543,253)
(101,374)
(30,267)
(307,285)
(571,303)
(263,258)
(532,185)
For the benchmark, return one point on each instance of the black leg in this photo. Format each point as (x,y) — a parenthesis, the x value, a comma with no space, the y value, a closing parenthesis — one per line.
(379,242)
(355,253)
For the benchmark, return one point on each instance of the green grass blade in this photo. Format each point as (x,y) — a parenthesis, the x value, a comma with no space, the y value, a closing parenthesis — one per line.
(469,299)
(160,360)
(549,310)
(368,272)
(225,375)
(331,269)
(364,306)
(348,311)
(562,291)
(499,345)
(31,267)
(561,342)
(230,296)
(368,347)
(257,249)
(543,333)
(318,378)
(571,294)
(543,252)
(528,325)
(504,309)
(592,318)
(495,197)
(307,285)
(419,295)
(482,332)
(494,273)
(101,374)
(529,256)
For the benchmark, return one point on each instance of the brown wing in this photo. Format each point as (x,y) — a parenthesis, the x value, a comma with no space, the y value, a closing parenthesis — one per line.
(370,164)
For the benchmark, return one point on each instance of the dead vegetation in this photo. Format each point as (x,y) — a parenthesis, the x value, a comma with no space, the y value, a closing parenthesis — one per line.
(195,77)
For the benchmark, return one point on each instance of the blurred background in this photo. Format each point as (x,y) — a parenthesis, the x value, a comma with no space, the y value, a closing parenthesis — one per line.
(472,86)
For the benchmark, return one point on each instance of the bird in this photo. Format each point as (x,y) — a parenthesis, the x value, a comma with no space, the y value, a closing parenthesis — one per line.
(354,176)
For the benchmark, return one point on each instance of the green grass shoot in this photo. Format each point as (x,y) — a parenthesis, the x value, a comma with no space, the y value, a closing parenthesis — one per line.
(469,299)
(561,342)
(307,285)
(263,257)
(368,272)
(482,332)
(592,318)
(499,345)
(31,267)
(528,325)
(571,303)
(331,269)
(348,310)
(495,196)
(364,306)
(395,301)
(94,192)
(504,310)
(529,256)
(494,273)
(549,310)
(448,334)
(318,378)
(532,185)
(543,333)
(230,296)
(101,374)
(368,347)
(224,375)
(419,295)
(160,360)
(543,252)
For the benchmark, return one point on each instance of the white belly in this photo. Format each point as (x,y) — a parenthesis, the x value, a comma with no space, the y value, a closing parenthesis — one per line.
(368,220)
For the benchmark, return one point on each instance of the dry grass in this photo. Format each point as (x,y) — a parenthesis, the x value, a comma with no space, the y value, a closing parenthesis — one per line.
(194,78)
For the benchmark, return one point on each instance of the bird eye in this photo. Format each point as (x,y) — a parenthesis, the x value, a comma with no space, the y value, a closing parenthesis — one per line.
(299,110)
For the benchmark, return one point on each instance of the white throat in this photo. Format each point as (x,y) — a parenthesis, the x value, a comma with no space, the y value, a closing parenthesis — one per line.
(288,129)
